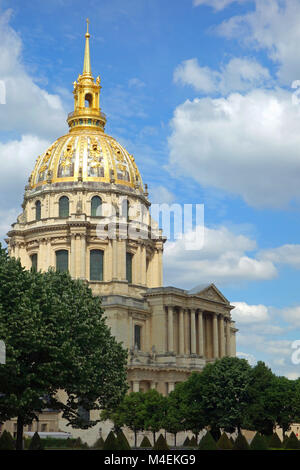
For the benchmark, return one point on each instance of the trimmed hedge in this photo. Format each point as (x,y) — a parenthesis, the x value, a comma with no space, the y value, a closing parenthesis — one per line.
(111,442)
(292,442)
(224,443)
(7,442)
(258,443)
(99,443)
(161,443)
(122,441)
(193,442)
(241,443)
(207,442)
(36,442)
(275,442)
(145,444)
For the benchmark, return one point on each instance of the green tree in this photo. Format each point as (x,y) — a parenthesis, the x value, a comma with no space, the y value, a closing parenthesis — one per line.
(155,405)
(175,413)
(284,396)
(56,339)
(190,400)
(221,393)
(260,415)
(130,412)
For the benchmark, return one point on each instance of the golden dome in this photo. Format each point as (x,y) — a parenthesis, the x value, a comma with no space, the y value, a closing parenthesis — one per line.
(86,153)
(86,156)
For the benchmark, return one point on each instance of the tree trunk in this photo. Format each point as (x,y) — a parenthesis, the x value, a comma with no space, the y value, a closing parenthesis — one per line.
(175,435)
(20,426)
(135,438)
(154,435)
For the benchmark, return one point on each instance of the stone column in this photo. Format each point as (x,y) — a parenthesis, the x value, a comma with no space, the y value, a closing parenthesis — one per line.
(143,265)
(193,331)
(83,258)
(200,333)
(187,343)
(228,351)
(121,261)
(73,256)
(181,331)
(171,386)
(114,259)
(215,336)
(136,386)
(222,336)
(170,330)
(153,385)
(131,339)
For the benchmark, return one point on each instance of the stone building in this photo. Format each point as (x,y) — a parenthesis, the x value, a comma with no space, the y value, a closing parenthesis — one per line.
(86,180)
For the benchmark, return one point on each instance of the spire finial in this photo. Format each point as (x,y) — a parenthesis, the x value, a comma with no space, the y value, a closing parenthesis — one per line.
(87,60)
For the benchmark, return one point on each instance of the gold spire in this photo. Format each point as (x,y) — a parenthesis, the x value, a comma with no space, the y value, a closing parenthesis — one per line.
(87,111)
(87,61)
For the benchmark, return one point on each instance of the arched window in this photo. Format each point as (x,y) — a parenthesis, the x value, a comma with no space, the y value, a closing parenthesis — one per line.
(34,261)
(38,210)
(88,100)
(64,207)
(129,257)
(96,206)
(96,265)
(62,260)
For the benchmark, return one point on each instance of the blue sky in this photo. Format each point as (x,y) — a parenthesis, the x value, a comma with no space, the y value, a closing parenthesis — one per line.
(201,93)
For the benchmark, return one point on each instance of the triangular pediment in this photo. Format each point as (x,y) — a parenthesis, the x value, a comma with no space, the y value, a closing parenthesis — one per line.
(209,292)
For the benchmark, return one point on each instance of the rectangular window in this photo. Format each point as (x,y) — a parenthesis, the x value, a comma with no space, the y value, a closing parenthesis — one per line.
(96,265)
(62,260)
(34,261)
(137,337)
(129,257)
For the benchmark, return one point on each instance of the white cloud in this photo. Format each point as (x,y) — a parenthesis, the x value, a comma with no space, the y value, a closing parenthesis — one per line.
(239,74)
(244,313)
(249,357)
(285,254)
(217,4)
(17,160)
(201,78)
(7,217)
(244,144)
(273,26)
(28,107)
(292,315)
(136,82)
(223,260)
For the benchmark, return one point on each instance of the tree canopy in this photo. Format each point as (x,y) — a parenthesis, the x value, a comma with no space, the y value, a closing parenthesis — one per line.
(56,340)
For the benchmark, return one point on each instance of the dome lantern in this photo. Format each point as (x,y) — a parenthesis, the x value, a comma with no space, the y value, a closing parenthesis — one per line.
(87,111)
